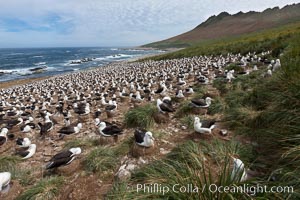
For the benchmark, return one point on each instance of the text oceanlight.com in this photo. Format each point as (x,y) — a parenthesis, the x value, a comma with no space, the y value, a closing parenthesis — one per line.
(213,188)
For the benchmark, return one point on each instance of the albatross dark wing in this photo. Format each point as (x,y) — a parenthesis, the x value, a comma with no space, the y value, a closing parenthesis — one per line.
(159,90)
(22,153)
(112,130)
(67,130)
(139,135)
(59,162)
(208,123)
(199,102)
(110,107)
(2,140)
(165,107)
(45,128)
(19,141)
(61,155)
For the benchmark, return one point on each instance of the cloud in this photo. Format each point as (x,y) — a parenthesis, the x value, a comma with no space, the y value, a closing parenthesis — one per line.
(109,22)
(48,23)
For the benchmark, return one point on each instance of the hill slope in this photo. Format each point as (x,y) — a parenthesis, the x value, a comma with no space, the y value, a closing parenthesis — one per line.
(226,25)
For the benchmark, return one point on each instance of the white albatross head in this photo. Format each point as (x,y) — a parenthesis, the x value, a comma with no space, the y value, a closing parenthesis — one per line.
(4,131)
(102,125)
(76,151)
(208,100)
(79,125)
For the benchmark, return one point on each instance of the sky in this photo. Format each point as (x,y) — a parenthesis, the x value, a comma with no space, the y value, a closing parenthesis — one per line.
(67,23)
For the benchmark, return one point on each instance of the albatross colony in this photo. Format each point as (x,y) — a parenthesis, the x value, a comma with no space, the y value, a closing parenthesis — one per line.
(75,104)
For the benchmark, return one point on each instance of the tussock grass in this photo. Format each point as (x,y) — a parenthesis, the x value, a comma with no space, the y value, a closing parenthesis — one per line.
(81,143)
(23,175)
(220,84)
(140,117)
(234,67)
(105,158)
(47,188)
(158,134)
(185,108)
(217,106)
(189,163)
(100,159)
(270,114)
(124,147)
(199,91)
(188,121)
(8,163)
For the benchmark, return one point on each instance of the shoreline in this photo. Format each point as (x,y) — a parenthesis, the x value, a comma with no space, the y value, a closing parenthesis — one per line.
(18,82)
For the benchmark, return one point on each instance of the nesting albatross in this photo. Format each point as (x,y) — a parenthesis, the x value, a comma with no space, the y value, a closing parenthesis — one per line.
(199,129)
(143,138)
(27,153)
(5,178)
(202,103)
(164,107)
(63,158)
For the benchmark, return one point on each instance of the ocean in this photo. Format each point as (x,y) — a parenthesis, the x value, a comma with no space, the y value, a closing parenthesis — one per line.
(38,62)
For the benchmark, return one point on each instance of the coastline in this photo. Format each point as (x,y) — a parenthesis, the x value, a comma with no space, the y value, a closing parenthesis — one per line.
(18,82)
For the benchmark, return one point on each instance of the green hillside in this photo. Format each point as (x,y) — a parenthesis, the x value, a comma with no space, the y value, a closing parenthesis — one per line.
(276,39)
(226,25)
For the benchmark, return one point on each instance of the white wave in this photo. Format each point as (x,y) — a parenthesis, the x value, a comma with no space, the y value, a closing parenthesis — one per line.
(101,58)
(40,63)
(37,56)
(119,56)
(135,50)
(51,68)
(27,71)
(24,72)
(7,71)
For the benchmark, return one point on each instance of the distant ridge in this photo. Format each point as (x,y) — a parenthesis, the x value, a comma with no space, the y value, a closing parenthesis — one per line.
(226,25)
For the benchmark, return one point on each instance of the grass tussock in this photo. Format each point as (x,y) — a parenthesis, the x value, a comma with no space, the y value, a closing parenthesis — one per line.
(188,164)
(140,117)
(81,143)
(124,147)
(47,188)
(158,134)
(188,121)
(100,159)
(199,91)
(217,106)
(184,109)
(267,111)
(23,175)
(8,163)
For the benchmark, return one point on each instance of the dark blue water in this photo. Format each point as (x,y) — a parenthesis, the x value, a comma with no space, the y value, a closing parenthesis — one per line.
(24,63)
